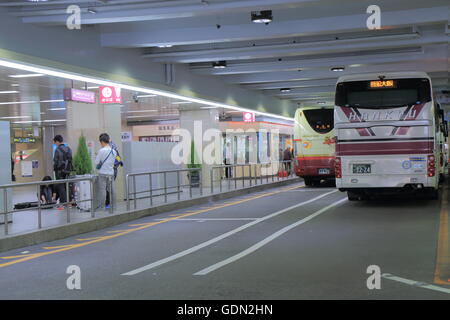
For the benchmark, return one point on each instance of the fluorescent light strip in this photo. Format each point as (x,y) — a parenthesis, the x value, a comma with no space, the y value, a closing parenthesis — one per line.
(26,75)
(56,109)
(140,111)
(181,102)
(39,121)
(146,96)
(10,91)
(17,117)
(76,77)
(28,102)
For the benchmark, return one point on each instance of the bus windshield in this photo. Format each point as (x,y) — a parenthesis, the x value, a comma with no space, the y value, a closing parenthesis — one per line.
(320,120)
(379,94)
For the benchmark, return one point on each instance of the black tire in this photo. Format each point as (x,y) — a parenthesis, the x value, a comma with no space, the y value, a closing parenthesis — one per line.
(433,194)
(353,196)
(308,181)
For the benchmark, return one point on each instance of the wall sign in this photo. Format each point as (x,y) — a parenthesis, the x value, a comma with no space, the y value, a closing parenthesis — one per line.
(71,94)
(109,94)
(249,117)
(126,136)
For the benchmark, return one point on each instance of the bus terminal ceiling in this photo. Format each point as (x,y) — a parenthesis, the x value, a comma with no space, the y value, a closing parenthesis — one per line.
(296,51)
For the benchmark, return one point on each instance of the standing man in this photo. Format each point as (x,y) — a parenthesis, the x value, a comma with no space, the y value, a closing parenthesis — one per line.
(287,158)
(62,165)
(104,163)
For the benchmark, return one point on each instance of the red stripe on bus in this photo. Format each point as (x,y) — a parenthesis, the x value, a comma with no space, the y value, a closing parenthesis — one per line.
(305,158)
(380,148)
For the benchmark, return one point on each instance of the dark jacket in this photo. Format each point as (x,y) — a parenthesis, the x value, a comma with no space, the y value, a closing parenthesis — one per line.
(62,160)
(287,154)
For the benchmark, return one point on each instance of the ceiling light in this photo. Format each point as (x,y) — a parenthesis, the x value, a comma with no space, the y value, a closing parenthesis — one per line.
(165,46)
(26,75)
(16,117)
(264,16)
(219,64)
(10,91)
(28,102)
(285,90)
(321,102)
(56,109)
(146,96)
(140,111)
(181,102)
(14,85)
(94,87)
(124,86)
(90,10)
(338,69)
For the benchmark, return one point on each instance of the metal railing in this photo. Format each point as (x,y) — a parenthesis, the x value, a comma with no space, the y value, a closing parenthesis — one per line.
(165,189)
(239,175)
(69,200)
(253,173)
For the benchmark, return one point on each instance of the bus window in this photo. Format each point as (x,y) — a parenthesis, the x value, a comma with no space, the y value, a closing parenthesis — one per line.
(320,120)
(399,93)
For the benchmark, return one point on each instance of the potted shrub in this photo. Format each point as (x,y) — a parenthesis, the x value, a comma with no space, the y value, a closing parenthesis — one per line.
(194,175)
(82,166)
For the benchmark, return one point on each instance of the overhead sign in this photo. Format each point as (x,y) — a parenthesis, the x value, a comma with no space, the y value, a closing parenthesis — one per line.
(249,117)
(109,94)
(24,140)
(71,94)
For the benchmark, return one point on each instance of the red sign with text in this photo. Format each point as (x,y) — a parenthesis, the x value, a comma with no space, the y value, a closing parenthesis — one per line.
(110,94)
(249,117)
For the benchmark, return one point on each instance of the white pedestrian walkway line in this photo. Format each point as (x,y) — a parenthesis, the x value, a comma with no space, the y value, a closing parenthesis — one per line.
(265,241)
(220,237)
(415,283)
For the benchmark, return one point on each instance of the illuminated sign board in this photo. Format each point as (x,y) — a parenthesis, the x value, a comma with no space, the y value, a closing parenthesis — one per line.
(382,84)
(109,94)
(71,94)
(249,117)
(24,140)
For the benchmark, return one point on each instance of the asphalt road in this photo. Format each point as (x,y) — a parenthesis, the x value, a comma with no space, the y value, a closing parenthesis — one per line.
(287,243)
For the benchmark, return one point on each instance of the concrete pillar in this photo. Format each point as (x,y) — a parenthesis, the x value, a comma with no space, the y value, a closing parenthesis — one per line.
(198,122)
(91,120)
(5,173)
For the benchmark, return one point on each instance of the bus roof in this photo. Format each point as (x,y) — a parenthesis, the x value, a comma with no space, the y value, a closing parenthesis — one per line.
(387,75)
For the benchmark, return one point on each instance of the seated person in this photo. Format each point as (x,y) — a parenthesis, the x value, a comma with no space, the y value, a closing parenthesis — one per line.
(47,192)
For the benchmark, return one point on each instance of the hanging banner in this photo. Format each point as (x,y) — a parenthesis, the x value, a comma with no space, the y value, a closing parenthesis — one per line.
(109,94)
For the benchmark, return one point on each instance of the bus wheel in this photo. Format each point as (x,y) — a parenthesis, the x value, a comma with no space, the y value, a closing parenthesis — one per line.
(353,196)
(308,181)
(433,194)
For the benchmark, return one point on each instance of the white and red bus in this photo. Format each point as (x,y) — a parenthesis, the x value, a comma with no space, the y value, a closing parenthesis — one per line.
(388,134)
(314,144)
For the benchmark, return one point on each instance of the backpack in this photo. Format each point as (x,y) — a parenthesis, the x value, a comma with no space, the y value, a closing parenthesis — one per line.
(64,163)
(117,160)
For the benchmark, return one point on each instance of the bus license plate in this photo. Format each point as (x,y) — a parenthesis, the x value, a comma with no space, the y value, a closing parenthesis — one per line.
(362,168)
(324,171)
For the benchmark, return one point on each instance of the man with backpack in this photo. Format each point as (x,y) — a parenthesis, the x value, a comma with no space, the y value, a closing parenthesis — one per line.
(62,165)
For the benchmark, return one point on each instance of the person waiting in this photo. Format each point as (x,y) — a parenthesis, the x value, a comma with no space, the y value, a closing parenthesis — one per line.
(104,163)
(47,194)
